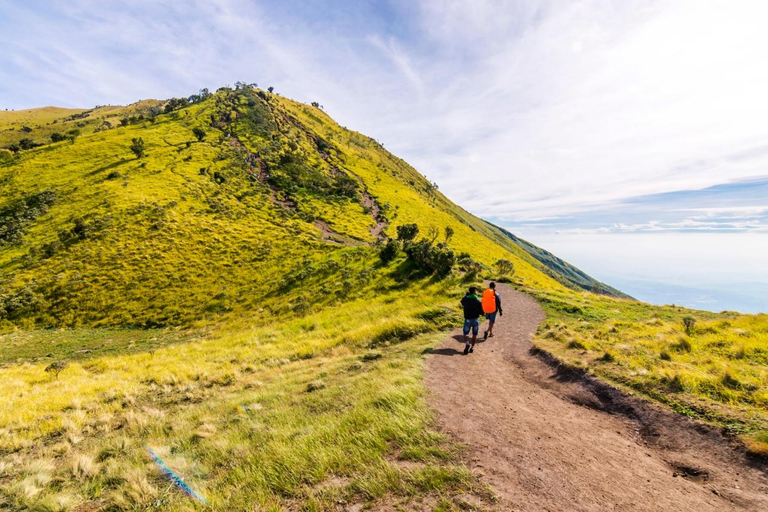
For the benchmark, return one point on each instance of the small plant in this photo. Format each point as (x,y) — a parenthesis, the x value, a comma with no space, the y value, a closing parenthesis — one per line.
(315,385)
(576,345)
(57,137)
(137,146)
(730,381)
(389,251)
(682,345)
(448,234)
(199,133)
(607,357)
(505,267)
(56,367)
(689,323)
(407,232)
(27,144)
(665,356)
(72,135)
(740,351)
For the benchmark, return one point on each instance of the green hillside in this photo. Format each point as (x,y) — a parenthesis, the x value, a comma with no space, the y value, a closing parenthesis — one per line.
(562,270)
(217,278)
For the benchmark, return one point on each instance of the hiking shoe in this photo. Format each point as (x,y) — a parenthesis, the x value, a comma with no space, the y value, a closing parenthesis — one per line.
(471,349)
(466,349)
(485,335)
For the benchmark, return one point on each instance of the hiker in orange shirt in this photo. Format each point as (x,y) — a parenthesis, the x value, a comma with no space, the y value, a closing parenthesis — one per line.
(491,306)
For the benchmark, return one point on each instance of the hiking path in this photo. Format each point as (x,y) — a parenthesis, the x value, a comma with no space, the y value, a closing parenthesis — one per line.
(547,438)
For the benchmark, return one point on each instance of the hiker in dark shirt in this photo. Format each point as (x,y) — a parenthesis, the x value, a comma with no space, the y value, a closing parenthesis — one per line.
(473,308)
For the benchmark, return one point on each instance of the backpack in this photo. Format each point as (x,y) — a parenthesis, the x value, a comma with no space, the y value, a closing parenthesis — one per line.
(489,301)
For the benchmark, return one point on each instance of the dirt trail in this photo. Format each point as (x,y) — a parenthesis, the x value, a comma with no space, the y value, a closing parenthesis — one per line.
(551,440)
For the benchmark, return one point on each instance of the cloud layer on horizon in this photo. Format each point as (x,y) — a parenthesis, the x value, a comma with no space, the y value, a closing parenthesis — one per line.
(521,111)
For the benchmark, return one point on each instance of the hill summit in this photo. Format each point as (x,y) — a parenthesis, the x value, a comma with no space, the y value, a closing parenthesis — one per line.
(164,212)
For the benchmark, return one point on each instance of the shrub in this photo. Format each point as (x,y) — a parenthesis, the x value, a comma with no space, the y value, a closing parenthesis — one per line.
(689,323)
(56,367)
(576,345)
(442,260)
(57,137)
(407,232)
(682,345)
(137,146)
(665,356)
(114,175)
(730,381)
(17,216)
(505,267)
(389,251)
(199,133)
(607,357)
(438,259)
(14,304)
(27,144)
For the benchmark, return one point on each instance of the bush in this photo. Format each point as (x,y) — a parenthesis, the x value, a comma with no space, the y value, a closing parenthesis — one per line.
(682,345)
(56,367)
(438,259)
(199,133)
(407,232)
(57,137)
(27,144)
(607,357)
(689,323)
(14,304)
(442,260)
(389,251)
(17,216)
(137,146)
(505,267)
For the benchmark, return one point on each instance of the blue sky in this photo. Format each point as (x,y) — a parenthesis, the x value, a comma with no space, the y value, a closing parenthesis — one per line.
(567,119)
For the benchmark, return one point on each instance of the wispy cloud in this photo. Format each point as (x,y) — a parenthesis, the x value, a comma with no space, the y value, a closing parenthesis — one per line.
(522,111)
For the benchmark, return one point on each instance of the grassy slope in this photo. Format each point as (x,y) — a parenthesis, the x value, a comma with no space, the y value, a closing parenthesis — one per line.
(320,343)
(34,116)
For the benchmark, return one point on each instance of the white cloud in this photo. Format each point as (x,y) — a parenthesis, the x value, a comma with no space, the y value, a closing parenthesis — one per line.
(520,110)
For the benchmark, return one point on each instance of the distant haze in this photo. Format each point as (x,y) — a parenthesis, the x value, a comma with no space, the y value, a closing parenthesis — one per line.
(714,272)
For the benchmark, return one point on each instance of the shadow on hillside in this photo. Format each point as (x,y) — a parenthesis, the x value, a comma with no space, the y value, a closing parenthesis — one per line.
(106,167)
